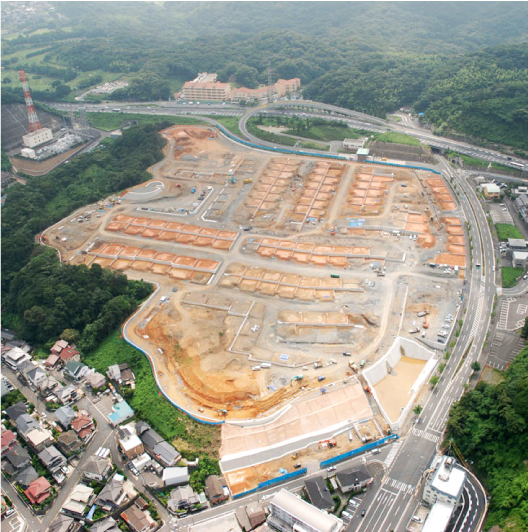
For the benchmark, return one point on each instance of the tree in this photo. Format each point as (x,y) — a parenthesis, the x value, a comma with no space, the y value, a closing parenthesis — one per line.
(433,381)
(524,330)
(475,366)
(70,335)
(418,409)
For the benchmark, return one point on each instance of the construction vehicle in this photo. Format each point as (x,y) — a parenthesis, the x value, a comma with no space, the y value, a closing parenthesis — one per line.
(347,354)
(233,180)
(414,330)
(222,412)
(321,378)
(362,363)
(367,389)
(334,276)
(296,378)
(332,232)
(193,190)
(295,455)
(353,366)
(425,323)
(323,390)
(330,443)
(423,313)
(248,181)
(318,363)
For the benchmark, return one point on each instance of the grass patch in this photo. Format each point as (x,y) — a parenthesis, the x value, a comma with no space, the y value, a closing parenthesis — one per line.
(510,276)
(397,138)
(149,404)
(253,128)
(326,133)
(111,121)
(505,231)
(229,122)
(395,118)
(314,146)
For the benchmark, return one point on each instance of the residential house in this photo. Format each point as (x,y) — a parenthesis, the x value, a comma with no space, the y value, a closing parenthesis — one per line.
(69,354)
(39,438)
(65,416)
(35,376)
(137,520)
(250,516)
(16,460)
(353,480)
(27,476)
(52,458)
(97,468)
(52,361)
(150,439)
(16,410)
(174,476)
(113,494)
(319,494)
(25,423)
(216,489)
(75,370)
(129,441)
(38,491)
(15,357)
(491,191)
(141,503)
(83,425)
(166,454)
(182,498)
(58,347)
(121,374)
(95,380)
(8,440)
(47,386)
(69,443)
(80,497)
(63,523)
(106,525)
(66,394)
(121,412)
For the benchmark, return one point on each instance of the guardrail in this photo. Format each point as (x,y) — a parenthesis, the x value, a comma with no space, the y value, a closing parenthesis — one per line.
(323,155)
(354,452)
(272,482)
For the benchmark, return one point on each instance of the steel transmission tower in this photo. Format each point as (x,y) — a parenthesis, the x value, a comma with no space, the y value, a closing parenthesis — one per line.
(34,122)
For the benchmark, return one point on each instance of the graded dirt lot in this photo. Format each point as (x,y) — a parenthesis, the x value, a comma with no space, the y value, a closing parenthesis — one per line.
(269,268)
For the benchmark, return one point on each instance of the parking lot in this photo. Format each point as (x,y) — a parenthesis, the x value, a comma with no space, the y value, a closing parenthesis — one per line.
(13,523)
(351,509)
(500,213)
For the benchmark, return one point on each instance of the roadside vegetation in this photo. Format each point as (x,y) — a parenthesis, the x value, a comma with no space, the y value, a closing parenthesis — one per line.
(6,163)
(397,138)
(489,426)
(510,276)
(505,231)
(111,121)
(229,122)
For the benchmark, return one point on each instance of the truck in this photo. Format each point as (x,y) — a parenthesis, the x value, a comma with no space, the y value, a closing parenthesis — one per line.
(362,363)
(414,330)
(347,354)
(318,363)
(321,378)
(423,313)
(334,276)
(353,366)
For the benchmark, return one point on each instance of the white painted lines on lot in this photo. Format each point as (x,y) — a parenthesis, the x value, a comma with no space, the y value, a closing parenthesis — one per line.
(522,309)
(503,316)
(426,435)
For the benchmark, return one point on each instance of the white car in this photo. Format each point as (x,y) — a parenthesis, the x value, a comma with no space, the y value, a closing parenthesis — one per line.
(331,468)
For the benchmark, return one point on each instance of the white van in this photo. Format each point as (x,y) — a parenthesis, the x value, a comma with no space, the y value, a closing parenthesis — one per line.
(265,365)
(256,368)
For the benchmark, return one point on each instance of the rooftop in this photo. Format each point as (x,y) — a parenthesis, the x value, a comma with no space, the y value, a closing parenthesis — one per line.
(363,151)
(448,479)
(121,412)
(438,517)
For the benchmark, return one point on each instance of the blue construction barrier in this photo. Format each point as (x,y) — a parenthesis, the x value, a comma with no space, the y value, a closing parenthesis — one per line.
(323,155)
(273,482)
(350,454)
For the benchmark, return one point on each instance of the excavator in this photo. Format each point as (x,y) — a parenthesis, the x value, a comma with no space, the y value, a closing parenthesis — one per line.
(425,323)
(296,378)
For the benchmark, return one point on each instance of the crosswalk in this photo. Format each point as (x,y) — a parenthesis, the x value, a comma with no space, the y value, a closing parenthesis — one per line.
(395,447)
(400,486)
(426,435)
(478,312)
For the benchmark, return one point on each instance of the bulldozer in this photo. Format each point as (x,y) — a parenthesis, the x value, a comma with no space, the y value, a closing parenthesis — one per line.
(295,455)
(248,181)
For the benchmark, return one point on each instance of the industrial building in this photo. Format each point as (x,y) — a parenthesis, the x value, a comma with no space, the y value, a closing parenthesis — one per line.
(289,513)
(519,259)
(362,154)
(517,244)
(491,191)
(353,145)
(37,137)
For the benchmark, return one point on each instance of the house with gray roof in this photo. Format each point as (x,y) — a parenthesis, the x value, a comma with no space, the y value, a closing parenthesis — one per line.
(16,410)
(66,394)
(166,454)
(52,458)
(65,415)
(106,525)
(16,460)
(113,494)
(97,468)
(319,494)
(69,443)
(63,523)
(27,476)
(35,376)
(25,423)
(150,439)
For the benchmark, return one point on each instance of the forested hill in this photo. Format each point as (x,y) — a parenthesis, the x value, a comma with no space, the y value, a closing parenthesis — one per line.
(464,64)
(490,427)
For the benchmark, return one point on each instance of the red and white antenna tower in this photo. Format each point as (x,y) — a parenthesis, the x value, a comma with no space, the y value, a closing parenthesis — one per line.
(34,122)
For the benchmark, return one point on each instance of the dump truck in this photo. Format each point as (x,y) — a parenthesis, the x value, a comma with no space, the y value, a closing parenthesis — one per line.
(353,366)
(414,330)
(423,313)
(318,363)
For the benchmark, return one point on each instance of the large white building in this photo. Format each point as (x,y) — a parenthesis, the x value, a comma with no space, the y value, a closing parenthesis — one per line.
(37,137)
(289,513)
(442,492)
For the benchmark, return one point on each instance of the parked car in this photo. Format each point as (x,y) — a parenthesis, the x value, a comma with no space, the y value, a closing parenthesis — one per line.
(331,468)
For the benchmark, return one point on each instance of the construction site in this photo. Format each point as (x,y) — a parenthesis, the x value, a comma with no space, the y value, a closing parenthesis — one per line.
(281,281)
